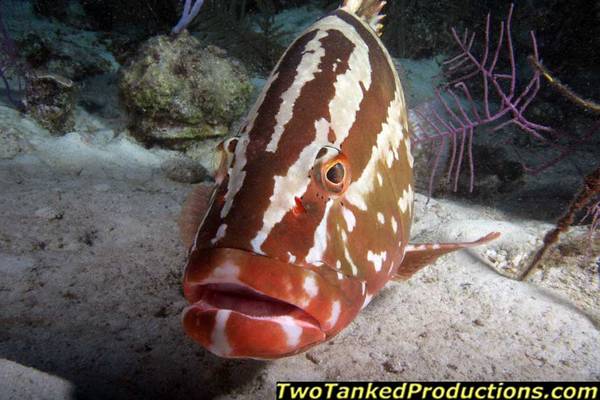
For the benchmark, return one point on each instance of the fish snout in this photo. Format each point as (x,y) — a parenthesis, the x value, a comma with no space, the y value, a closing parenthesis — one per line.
(245,305)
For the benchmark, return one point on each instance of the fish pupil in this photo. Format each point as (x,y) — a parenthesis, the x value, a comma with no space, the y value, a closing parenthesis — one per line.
(335,174)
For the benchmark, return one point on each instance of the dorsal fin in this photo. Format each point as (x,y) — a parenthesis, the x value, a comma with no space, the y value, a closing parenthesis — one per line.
(368,10)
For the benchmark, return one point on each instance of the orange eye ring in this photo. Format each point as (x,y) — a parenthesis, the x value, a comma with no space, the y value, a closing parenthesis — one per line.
(335,174)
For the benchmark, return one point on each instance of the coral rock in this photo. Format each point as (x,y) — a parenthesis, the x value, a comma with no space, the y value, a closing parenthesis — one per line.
(177,92)
(50,99)
(184,169)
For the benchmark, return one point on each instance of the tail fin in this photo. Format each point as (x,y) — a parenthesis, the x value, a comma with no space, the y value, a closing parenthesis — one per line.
(368,10)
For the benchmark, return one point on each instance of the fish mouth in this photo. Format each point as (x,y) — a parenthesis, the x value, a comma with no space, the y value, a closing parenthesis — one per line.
(247,301)
(234,321)
(244,305)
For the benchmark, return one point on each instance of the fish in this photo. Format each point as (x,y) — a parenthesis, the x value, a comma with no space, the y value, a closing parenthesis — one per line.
(311,210)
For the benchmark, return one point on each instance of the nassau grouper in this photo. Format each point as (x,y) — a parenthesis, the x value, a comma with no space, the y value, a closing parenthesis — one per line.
(313,203)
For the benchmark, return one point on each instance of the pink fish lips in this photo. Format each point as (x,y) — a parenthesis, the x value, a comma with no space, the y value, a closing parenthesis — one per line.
(245,305)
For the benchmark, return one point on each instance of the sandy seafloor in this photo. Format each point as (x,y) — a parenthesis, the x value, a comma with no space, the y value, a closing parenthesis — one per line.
(90,285)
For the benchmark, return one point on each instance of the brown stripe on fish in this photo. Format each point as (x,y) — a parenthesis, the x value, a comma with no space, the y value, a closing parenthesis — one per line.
(305,134)
(349,86)
(384,168)
(278,177)
(292,238)
(350,90)
(270,100)
(261,119)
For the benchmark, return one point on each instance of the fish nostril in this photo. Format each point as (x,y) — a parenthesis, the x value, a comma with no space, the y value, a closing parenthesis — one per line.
(299,208)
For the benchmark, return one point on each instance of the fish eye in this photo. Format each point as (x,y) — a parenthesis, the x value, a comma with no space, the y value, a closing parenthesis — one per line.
(333,171)
(226,153)
(230,144)
(335,174)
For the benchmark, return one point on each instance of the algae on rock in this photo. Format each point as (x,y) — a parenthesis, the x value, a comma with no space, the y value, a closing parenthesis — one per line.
(50,100)
(176,91)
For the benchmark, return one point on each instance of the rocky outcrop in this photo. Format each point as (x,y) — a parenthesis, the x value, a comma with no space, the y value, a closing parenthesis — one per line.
(185,170)
(50,100)
(177,92)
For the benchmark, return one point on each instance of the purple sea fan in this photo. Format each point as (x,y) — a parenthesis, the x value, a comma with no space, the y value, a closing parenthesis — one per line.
(453,117)
(189,13)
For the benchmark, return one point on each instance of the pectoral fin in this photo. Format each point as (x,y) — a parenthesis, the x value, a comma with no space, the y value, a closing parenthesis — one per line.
(417,256)
(198,201)
(193,211)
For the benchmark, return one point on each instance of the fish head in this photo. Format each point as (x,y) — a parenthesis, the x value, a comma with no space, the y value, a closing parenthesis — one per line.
(258,278)
(313,201)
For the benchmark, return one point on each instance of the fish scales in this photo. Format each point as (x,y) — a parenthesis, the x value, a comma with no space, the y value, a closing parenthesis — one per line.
(313,205)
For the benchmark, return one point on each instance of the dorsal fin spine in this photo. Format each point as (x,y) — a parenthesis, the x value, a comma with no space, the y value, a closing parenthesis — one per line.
(368,10)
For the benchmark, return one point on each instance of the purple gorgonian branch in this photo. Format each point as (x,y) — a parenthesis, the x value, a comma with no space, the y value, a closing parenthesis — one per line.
(453,120)
(189,13)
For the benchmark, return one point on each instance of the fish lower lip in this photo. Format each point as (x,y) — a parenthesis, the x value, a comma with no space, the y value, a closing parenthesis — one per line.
(234,321)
